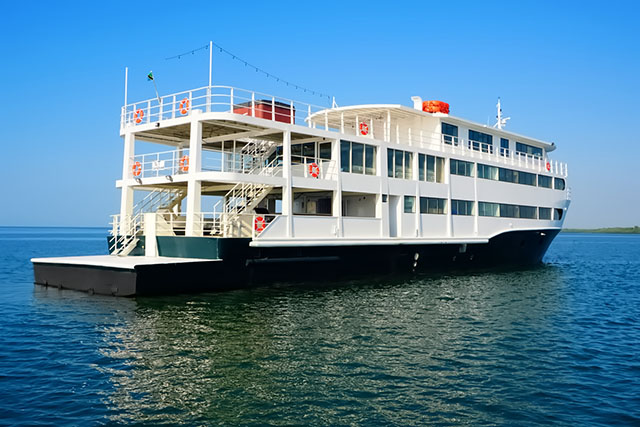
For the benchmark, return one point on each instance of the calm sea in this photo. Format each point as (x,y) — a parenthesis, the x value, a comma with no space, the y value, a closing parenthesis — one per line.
(558,344)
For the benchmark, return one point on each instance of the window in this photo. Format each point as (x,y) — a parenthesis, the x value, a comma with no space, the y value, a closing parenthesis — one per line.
(432,205)
(488,209)
(544,181)
(458,167)
(325,150)
(504,147)
(409,204)
(557,214)
(345,156)
(461,207)
(528,150)
(357,157)
(408,165)
(487,172)
(449,134)
(399,164)
(558,183)
(370,159)
(384,198)
(526,178)
(544,213)
(430,168)
(508,175)
(529,212)
(479,141)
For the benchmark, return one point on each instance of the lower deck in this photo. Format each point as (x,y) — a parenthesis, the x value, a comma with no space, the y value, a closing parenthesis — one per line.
(234,263)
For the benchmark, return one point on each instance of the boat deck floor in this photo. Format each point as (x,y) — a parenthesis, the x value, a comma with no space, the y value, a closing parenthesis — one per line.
(113,261)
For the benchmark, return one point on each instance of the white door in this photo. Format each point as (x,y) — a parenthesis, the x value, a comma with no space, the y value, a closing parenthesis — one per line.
(394,208)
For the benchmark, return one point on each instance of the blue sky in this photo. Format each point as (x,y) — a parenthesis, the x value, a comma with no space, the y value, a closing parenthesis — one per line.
(566,72)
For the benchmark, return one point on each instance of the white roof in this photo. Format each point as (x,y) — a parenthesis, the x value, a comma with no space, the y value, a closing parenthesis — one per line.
(380,111)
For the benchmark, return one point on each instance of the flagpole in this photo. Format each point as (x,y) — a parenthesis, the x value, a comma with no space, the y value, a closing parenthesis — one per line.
(210,60)
(126,84)
(209,87)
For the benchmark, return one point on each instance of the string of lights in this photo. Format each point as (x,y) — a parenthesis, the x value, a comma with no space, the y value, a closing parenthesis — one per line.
(256,68)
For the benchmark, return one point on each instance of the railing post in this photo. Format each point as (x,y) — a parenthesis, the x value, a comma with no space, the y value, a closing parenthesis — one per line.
(173,108)
(253,104)
(148,111)
(231,101)
(292,118)
(273,109)
(309,115)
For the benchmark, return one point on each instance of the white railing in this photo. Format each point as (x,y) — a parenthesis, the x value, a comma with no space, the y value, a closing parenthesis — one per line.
(218,99)
(176,162)
(482,151)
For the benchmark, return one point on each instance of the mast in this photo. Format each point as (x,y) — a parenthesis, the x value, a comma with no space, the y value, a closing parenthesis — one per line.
(501,121)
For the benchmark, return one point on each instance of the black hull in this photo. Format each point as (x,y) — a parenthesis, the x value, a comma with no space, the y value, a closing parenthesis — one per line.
(238,265)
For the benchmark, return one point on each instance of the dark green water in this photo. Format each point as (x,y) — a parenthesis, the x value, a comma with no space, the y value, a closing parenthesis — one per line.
(557,345)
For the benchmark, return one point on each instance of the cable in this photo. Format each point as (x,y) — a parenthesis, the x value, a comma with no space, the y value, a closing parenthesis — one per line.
(258,69)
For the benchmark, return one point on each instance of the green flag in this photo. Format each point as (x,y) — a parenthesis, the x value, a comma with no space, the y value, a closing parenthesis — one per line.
(150,75)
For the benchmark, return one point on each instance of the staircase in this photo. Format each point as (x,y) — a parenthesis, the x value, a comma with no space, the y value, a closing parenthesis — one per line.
(130,228)
(244,196)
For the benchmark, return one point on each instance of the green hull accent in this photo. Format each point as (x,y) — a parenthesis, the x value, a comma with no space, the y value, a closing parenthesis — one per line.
(188,247)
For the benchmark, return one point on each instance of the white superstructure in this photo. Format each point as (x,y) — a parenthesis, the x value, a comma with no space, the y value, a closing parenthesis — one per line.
(228,162)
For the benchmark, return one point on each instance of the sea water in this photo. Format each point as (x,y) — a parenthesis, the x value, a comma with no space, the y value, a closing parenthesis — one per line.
(557,344)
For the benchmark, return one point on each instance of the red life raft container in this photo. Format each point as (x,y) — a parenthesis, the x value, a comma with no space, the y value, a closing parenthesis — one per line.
(435,107)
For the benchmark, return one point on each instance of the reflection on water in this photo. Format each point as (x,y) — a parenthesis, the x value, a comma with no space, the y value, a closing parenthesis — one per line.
(383,352)
(555,344)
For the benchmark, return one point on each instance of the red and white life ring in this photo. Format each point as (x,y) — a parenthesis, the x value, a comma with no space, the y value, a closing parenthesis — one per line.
(364,128)
(548,167)
(314,170)
(184,163)
(136,168)
(184,106)
(138,115)
(259,224)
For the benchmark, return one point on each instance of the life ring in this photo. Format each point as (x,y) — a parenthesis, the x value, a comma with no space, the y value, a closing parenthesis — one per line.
(364,128)
(184,106)
(548,167)
(260,224)
(184,163)
(139,114)
(137,168)
(314,170)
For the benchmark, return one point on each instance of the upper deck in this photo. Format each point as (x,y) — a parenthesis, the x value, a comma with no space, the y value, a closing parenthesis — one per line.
(161,120)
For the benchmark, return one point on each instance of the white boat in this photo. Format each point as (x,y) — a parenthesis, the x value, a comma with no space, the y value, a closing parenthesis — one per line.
(242,187)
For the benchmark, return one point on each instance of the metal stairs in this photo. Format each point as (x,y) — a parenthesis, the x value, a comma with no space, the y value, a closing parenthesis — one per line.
(130,228)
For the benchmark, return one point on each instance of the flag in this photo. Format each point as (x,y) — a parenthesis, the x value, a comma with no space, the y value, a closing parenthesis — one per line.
(150,75)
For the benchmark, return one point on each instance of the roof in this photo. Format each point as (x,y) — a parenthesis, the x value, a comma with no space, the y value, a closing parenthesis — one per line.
(380,111)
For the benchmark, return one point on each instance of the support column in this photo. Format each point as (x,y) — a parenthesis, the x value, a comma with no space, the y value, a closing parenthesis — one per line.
(126,197)
(287,190)
(194,186)
(382,172)
(336,207)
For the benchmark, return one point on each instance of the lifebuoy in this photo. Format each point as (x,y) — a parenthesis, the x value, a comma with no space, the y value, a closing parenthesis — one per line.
(364,128)
(184,163)
(260,224)
(139,114)
(548,167)
(184,106)
(314,170)
(137,168)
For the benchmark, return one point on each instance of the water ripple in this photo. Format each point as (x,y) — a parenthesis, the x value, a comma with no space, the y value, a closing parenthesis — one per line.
(552,345)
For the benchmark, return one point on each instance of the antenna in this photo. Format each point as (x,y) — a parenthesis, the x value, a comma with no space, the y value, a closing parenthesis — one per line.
(501,121)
